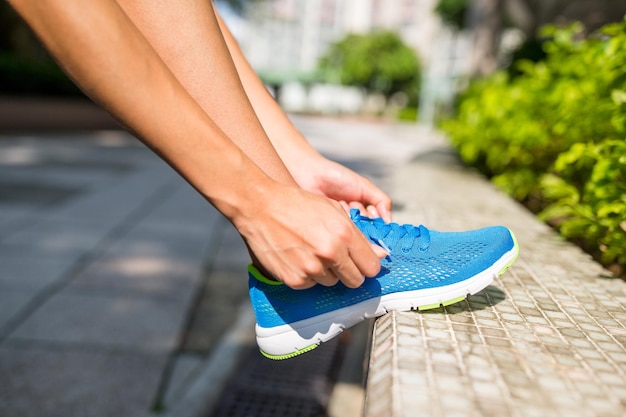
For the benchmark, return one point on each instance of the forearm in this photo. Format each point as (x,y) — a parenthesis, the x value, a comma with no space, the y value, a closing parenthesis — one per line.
(288,141)
(297,236)
(312,171)
(110,59)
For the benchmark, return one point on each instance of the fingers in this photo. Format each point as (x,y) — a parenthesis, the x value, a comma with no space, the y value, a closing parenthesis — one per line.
(363,256)
(384,210)
(378,200)
(381,208)
(369,211)
(347,272)
(328,279)
(345,206)
(379,251)
(349,263)
(349,260)
(354,261)
(325,251)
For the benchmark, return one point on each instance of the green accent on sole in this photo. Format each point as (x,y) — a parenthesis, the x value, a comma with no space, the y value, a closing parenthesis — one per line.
(429,306)
(290,355)
(260,277)
(443,303)
(453,301)
(516,246)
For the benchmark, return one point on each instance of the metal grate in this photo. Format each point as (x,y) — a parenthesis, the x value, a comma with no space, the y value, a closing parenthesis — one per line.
(297,387)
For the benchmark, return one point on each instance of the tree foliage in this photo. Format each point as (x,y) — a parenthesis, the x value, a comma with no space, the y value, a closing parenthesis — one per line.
(452,12)
(379,62)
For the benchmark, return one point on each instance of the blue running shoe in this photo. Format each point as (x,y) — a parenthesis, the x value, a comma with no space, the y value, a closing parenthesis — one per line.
(424,270)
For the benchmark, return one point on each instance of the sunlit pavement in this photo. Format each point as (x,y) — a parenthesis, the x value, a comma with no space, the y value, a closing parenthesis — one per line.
(106,255)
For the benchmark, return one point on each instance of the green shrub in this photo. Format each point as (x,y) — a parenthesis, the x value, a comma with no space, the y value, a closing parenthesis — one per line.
(408,114)
(380,62)
(554,136)
(453,12)
(588,190)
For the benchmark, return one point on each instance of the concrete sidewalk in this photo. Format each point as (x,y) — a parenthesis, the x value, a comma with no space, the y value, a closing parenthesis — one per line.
(122,292)
(101,250)
(105,253)
(547,338)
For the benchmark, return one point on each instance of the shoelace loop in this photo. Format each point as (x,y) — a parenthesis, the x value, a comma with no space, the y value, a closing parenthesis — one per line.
(406,235)
(392,234)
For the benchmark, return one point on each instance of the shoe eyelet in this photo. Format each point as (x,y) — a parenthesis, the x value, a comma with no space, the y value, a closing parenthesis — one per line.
(405,250)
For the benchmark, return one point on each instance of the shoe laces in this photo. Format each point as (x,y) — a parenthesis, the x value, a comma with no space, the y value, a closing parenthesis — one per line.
(392,235)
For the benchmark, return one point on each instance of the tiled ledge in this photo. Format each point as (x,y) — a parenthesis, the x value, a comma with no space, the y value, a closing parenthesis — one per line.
(548,338)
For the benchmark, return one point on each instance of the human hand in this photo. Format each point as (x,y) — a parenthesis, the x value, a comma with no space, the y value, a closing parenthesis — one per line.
(323,176)
(303,239)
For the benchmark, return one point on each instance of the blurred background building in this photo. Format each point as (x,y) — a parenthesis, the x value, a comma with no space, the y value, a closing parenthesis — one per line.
(295,45)
(290,36)
(285,40)
(454,40)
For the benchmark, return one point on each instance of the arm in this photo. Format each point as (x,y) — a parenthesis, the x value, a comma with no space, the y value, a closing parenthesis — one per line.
(98,47)
(105,53)
(311,170)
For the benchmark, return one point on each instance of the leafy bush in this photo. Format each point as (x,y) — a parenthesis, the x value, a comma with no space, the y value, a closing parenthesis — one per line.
(452,12)
(408,114)
(380,62)
(554,137)
(588,190)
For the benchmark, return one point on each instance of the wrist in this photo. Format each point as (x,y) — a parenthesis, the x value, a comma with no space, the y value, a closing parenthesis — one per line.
(303,162)
(238,198)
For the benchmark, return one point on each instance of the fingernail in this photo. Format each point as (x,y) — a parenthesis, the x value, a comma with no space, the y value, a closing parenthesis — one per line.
(372,211)
(382,250)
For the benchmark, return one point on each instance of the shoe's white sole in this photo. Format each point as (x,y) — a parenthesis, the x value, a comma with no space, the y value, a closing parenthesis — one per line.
(289,340)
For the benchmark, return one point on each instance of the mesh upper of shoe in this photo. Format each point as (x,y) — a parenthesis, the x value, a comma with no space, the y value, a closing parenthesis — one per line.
(433,259)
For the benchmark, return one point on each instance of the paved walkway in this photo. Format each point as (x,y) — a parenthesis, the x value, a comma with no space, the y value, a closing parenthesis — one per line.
(122,292)
(101,249)
(106,257)
(548,338)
